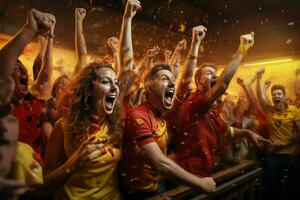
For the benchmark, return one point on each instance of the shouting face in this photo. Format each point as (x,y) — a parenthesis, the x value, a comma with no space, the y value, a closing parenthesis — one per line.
(207,78)
(161,90)
(20,77)
(278,98)
(105,91)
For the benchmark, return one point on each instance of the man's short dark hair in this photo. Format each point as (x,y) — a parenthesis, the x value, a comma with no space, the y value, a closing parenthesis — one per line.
(199,70)
(155,69)
(278,87)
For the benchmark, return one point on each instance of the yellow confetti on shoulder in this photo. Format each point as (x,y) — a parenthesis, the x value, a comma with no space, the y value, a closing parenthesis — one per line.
(139,121)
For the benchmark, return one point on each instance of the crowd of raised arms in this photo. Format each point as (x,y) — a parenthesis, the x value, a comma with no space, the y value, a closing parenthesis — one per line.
(124,130)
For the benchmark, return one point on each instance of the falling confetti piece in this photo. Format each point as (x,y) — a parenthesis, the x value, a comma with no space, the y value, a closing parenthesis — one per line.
(181,28)
(289,41)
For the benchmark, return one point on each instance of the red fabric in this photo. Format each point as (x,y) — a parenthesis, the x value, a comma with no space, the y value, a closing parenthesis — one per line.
(262,127)
(143,125)
(28,113)
(141,122)
(201,135)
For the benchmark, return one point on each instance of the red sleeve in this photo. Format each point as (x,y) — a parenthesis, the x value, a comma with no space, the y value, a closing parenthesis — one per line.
(138,125)
(196,103)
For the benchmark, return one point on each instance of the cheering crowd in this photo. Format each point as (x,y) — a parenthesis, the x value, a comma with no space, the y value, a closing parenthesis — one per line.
(125,130)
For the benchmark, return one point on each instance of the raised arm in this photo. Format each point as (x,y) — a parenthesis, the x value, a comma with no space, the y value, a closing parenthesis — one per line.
(145,63)
(248,91)
(37,23)
(80,45)
(167,55)
(176,57)
(127,74)
(262,98)
(169,169)
(113,44)
(126,49)
(43,81)
(37,65)
(246,42)
(191,61)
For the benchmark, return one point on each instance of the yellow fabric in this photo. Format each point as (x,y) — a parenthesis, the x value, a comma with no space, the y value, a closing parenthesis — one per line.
(25,168)
(35,92)
(97,181)
(281,126)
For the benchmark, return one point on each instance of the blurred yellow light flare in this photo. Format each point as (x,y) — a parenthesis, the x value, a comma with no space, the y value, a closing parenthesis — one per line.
(268,62)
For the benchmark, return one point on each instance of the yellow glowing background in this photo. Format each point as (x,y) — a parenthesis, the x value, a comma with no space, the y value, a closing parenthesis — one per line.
(278,70)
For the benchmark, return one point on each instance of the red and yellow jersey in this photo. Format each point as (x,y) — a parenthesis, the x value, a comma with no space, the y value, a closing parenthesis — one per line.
(143,125)
(98,179)
(201,135)
(282,127)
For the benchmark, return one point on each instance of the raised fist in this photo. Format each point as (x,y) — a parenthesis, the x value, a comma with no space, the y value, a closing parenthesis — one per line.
(113,43)
(80,14)
(167,53)
(181,46)
(38,22)
(199,33)
(246,42)
(152,52)
(260,73)
(240,81)
(52,21)
(132,7)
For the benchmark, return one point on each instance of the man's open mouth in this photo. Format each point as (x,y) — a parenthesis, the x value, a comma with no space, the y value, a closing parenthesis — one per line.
(168,97)
(213,82)
(276,101)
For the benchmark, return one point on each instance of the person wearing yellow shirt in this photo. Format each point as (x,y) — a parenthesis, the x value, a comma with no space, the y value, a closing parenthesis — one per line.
(84,147)
(283,122)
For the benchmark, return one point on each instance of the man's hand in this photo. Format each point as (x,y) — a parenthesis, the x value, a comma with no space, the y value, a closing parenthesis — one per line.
(167,53)
(267,84)
(198,33)
(80,14)
(52,21)
(132,7)
(258,140)
(260,73)
(181,46)
(151,53)
(113,44)
(246,42)
(208,184)
(37,22)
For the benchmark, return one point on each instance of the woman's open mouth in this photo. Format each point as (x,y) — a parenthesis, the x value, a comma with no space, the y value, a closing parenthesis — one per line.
(110,101)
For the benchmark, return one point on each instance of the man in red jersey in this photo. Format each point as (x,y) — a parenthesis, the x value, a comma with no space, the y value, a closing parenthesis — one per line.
(202,129)
(144,160)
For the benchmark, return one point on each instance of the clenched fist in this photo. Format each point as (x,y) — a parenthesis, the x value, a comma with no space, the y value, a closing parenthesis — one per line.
(80,14)
(132,7)
(199,33)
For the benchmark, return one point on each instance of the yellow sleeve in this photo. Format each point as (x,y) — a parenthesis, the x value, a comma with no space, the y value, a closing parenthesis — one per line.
(25,168)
